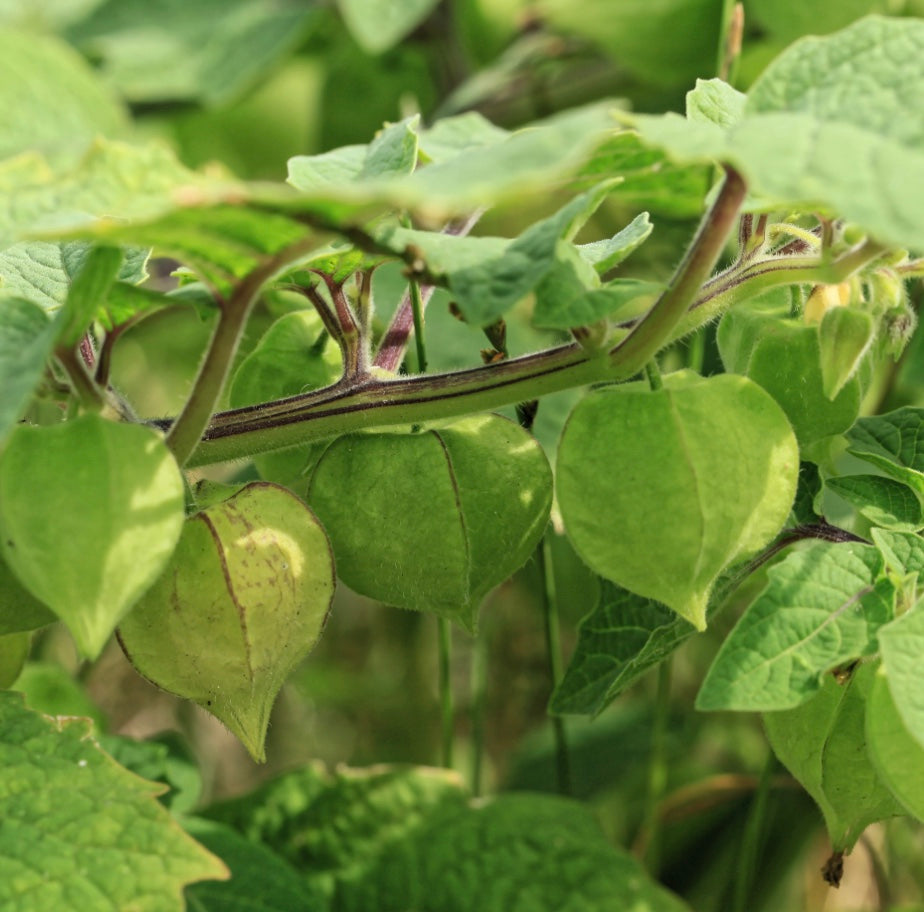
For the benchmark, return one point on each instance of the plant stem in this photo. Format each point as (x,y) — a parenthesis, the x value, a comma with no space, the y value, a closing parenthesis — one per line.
(553,653)
(657,769)
(752,840)
(479,686)
(417,307)
(445,687)
(653,373)
(83,387)
(187,430)
(655,328)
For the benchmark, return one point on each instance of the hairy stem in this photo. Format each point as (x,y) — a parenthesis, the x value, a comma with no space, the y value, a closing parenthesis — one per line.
(185,433)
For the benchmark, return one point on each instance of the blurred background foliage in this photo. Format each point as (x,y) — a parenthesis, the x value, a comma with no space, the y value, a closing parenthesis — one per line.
(250,83)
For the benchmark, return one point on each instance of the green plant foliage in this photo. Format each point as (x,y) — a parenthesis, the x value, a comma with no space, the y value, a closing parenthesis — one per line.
(53,105)
(823,744)
(209,51)
(619,640)
(896,755)
(822,606)
(883,501)
(14,649)
(844,338)
(894,443)
(627,451)
(242,601)
(903,553)
(121,850)
(900,643)
(19,609)
(465,505)
(379,24)
(260,880)
(117,498)
(26,342)
(797,143)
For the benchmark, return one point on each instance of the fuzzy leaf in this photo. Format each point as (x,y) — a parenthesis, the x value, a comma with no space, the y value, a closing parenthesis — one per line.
(19,609)
(210,51)
(823,744)
(883,501)
(894,443)
(52,102)
(90,512)
(609,253)
(621,638)
(902,646)
(81,832)
(903,553)
(27,338)
(821,607)
(844,338)
(896,755)
(824,127)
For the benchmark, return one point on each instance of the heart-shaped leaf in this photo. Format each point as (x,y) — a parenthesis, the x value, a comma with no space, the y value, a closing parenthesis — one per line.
(661,490)
(242,601)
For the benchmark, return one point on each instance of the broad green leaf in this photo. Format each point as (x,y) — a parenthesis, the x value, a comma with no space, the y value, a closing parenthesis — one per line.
(20,610)
(333,828)
(883,501)
(52,102)
(454,136)
(619,640)
(260,881)
(90,512)
(902,647)
(27,338)
(896,755)
(823,744)
(393,152)
(626,452)
(621,299)
(894,443)
(42,272)
(241,602)
(667,42)
(210,51)
(844,338)
(112,184)
(788,20)
(379,24)
(514,853)
(50,689)
(164,757)
(14,650)
(823,127)
(805,508)
(81,832)
(821,607)
(87,293)
(715,101)
(486,291)
(608,254)
(903,553)
(784,357)
(471,499)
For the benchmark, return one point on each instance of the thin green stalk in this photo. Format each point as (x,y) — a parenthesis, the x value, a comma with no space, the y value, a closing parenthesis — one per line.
(657,770)
(653,373)
(656,327)
(417,311)
(479,688)
(187,430)
(553,653)
(447,711)
(753,839)
(82,385)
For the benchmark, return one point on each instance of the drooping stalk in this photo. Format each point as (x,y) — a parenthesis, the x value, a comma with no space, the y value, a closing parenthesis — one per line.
(657,770)
(753,838)
(187,430)
(553,655)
